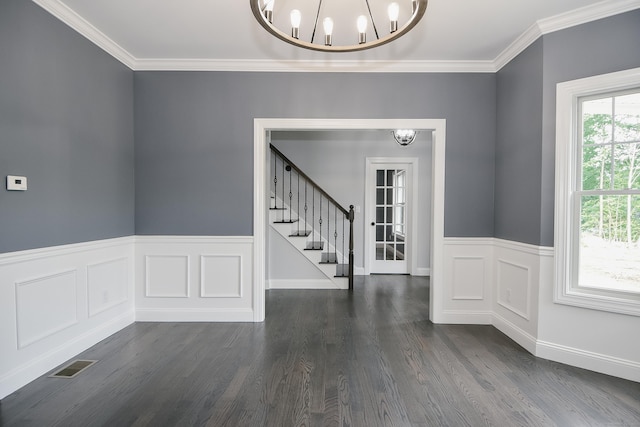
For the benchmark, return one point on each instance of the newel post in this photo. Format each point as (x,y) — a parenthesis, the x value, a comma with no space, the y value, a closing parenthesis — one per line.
(351,218)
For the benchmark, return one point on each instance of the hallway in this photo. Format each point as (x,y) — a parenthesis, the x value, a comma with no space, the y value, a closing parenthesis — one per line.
(324,358)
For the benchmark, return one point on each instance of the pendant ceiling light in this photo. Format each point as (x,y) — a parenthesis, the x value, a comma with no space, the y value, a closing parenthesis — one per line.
(346,25)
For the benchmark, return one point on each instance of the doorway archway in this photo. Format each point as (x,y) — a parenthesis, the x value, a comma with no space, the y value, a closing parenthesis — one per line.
(262,128)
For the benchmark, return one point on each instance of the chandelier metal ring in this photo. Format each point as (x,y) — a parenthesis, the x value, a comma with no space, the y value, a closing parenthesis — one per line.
(419,9)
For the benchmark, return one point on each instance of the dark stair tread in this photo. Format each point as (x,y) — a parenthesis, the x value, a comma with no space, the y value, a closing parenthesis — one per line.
(329,258)
(342,270)
(277,209)
(314,246)
(302,233)
(290,221)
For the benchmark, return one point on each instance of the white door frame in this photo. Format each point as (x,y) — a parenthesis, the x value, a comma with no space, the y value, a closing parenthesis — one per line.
(412,214)
(261,128)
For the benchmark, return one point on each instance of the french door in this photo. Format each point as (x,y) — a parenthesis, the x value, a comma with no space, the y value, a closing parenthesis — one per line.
(388,217)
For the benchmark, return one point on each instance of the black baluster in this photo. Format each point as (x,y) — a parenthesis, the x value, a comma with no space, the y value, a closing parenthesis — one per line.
(306,207)
(275,180)
(298,209)
(290,194)
(335,232)
(313,214)
(342,268)
(283,212)
(328,230)
(320,222)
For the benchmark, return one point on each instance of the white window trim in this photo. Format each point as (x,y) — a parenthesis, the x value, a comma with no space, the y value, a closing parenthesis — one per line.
(567,97)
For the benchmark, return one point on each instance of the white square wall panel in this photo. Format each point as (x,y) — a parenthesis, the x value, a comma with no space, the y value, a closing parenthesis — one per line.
(221,276)
(167,276)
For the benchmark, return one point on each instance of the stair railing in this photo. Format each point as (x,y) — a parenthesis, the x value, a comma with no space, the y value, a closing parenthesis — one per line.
(300,200)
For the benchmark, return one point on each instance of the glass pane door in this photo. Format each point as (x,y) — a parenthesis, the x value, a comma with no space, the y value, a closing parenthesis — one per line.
(390,220)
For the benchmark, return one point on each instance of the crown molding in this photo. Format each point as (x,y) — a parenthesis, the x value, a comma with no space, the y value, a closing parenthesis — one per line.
(82,26)
(315,66)
(525,40)
(562,21)
(586,14)
(583,15)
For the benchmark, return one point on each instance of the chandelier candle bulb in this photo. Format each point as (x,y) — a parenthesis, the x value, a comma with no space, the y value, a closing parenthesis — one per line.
(394,11)
(296,17)
(327,23)
(268,10)
(362,29)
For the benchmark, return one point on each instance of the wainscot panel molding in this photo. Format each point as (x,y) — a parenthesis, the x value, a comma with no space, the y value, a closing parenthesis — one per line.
(58,301)
(511,278)
(468,277)
(194,278)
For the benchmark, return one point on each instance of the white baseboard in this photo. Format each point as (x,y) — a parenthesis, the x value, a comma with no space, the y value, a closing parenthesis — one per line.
(358,271)
(24,374)
(526,340)
(301,284)
(602,363)
(423,272)
(466,317)
(194,315)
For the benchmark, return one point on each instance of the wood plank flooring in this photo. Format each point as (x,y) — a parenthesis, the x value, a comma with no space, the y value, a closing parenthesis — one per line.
(324,358)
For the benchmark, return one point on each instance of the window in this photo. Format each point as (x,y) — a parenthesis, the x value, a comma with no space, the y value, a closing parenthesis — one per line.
(597,234)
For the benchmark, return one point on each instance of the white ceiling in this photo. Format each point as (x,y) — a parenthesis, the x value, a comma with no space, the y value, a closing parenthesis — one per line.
(454,35)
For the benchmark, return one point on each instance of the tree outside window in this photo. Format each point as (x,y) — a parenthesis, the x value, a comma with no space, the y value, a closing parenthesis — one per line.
(607,195)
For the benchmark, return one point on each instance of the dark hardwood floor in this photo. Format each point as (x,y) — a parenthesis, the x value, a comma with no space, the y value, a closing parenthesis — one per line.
(324,358)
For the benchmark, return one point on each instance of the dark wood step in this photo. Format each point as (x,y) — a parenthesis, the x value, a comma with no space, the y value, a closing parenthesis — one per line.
(286,221)
(314,246)
(342,270)
(301,233)
(329,258)
(277,209)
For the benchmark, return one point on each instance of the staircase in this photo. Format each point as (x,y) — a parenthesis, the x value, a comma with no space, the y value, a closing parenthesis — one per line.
(311,220)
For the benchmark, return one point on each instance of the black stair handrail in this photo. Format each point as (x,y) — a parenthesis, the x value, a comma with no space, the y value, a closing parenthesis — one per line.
(349,214)
(311,181)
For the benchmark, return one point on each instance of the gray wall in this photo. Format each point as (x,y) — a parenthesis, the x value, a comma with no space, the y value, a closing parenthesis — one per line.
(604,46)
(336,161)
(194,139)
(518,154)
(526,113)
(66,122)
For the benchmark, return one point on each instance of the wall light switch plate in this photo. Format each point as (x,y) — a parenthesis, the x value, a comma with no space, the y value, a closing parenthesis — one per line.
(16,183)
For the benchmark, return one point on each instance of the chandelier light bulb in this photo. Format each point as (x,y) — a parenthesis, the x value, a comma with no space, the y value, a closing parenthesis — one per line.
(394,11)
(327,23)
(362,29)
(296,18)
(268,10)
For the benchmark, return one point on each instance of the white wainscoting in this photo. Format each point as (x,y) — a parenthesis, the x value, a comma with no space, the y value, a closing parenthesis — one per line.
(494,281)
(500,282)
(56,302)
(517,289)
(194,278)
(468,276)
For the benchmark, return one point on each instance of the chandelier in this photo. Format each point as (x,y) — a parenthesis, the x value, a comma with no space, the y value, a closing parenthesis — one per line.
(347,25)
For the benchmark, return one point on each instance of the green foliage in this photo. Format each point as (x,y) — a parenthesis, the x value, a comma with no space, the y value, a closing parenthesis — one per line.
(611,161)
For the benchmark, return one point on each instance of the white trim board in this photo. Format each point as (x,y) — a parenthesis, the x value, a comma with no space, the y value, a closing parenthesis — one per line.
(544,26)
(262,127)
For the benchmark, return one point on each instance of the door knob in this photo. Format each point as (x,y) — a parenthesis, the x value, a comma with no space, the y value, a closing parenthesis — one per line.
(373,223)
